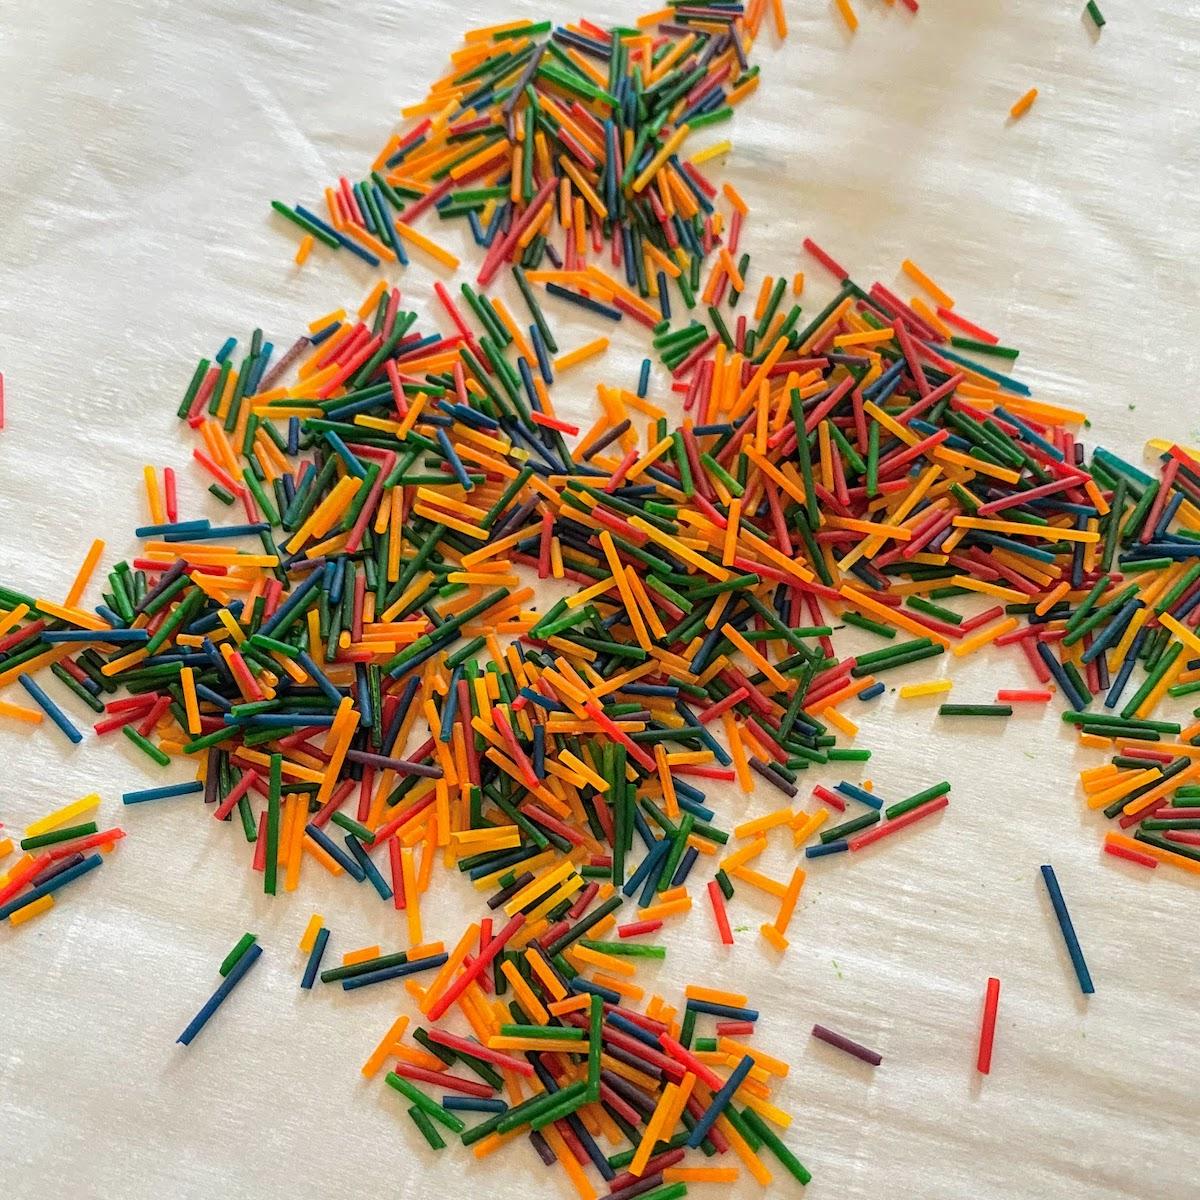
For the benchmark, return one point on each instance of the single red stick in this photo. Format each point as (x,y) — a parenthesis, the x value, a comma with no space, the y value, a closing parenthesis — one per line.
(987,1032)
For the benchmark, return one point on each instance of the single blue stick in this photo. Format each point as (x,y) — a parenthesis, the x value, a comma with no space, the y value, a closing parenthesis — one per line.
(252,955)
(278,720)
(211,534)
(720,1101)
(726,1011)
(347,862)
(860,794)
(397,972)
(456,463)
(369,869)
(113,637)
(828,848)
(51,709)
(52,885)
(644,378)
(163,793)
(602,310)
(1068,930)
(314,959)
(148,531)
(474,1104)
(319,677)
(648,866)
(299,596)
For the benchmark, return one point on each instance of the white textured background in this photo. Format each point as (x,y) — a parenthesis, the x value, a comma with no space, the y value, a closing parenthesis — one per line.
(140,143)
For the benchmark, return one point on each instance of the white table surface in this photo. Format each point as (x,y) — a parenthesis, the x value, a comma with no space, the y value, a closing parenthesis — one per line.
(141,141)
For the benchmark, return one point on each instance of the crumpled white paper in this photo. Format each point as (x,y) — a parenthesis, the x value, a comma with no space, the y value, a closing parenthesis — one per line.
(141,141)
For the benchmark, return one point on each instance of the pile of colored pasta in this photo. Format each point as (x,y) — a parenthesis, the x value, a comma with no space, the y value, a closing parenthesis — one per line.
(365,672)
